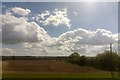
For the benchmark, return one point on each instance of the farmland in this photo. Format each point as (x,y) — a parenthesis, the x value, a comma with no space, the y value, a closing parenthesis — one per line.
(49,69)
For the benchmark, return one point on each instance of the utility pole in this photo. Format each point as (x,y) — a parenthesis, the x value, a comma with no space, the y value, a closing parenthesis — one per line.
(112,66)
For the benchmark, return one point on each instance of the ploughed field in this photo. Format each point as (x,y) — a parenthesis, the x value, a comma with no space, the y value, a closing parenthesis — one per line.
(45,66)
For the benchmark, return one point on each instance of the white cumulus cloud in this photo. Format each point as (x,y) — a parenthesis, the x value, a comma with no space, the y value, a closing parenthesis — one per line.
(19,30)
(57,17)
(88,42)
(19,11)
(82,36)
(43,15)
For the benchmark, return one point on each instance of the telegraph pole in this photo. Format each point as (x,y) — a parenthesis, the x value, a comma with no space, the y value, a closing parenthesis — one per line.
(112,66)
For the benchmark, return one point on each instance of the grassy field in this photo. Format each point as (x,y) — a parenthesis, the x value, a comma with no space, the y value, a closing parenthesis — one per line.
(49,69)
(57,75)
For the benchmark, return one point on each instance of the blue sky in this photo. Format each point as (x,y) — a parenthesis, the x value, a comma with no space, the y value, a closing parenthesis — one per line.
(89,16)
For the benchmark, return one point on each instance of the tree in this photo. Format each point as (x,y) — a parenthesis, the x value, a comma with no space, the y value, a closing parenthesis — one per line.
(119,67)
(107,61)
(83,61)
(74,57)
(104,60)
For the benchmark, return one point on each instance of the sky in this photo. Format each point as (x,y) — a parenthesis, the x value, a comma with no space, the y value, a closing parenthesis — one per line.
(58,28)
(88,15)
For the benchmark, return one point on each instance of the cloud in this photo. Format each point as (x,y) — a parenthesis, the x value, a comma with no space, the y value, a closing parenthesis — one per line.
(88,42)
(23,38)
(16,30)
(0,28)
(32,49)
(19,11)
(63,45)
(43,15)
(57,17)
(7,51)
(75,13)
(97,49)
(82,36)
(27,38)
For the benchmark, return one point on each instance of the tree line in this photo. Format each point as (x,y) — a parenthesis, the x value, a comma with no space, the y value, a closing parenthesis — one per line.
(106,61)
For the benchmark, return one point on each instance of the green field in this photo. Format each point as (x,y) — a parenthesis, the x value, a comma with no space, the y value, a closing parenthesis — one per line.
(57,75)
